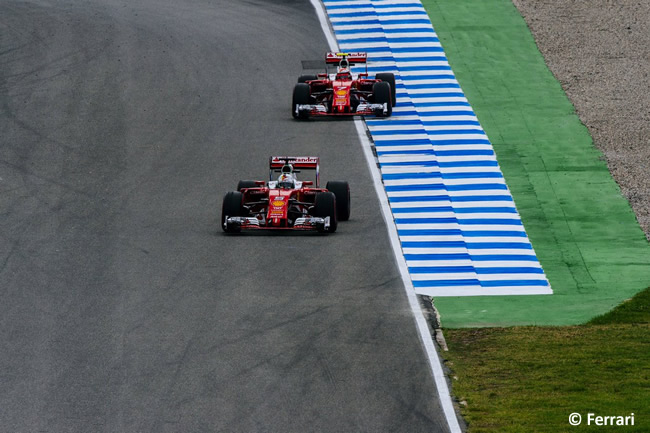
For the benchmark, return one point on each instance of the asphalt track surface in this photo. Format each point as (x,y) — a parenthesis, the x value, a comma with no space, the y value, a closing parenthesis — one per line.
(124,308)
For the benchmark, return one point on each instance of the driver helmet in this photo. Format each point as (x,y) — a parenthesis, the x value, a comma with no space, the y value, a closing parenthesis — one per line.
(343,74)
(286,180)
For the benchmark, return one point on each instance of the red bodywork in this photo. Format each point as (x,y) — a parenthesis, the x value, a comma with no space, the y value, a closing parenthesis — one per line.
(342,94)
(268,207)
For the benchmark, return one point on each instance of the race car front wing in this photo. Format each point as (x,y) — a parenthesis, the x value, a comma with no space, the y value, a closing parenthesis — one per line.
(303,223)
(362,109)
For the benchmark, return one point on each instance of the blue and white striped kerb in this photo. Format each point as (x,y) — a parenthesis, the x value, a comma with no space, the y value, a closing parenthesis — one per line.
(460,232)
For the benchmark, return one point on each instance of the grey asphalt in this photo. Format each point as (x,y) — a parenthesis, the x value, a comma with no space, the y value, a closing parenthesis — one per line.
(123,306)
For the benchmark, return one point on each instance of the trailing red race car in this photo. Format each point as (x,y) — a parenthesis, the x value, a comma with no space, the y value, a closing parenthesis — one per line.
(286,203)
(341,94)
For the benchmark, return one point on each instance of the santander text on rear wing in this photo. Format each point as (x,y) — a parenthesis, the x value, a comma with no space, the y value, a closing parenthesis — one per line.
(298,162)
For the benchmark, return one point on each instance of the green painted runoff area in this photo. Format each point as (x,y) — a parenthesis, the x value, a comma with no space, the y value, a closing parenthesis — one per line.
(581,227)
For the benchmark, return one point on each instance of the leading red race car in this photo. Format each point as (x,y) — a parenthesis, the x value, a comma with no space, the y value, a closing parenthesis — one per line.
(286,203)
(341,94)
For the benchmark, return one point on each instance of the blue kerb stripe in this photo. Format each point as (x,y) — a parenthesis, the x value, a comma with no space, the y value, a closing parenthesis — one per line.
(433,244)
(401,188)
(426,77)
(468,175)
(358,31)
(419,198)
(401,13)
(376,13)
(468,210)
(456,131)
(441,104)
(479,198)
(364,40)
(409,21)
(410,163)
(403,142)
(457,256)
(446,113)
(401,60)
(465,233)
(451,220)
(472,221)
(513,283)
(407,210)
(468,245)
(401,5)
(451,199)
(399,132)
(433,86)
(495,233)
(475,257)
(468,152)
(425,68)
(509,270)
(437,95)
(353,14)
(431,232)
(479,271)
(406,39)
(474,175)
(457,164)
(489,209)
(358,22)
(446,283)
(450,122)
(413,30)
(489,198)
(417,50)
(441,269)
(458,142)
(392,121)
(393,176)
(470,187)
(504,257)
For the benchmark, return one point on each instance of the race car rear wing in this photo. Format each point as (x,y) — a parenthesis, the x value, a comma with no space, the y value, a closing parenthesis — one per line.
(298,162)
(352,58)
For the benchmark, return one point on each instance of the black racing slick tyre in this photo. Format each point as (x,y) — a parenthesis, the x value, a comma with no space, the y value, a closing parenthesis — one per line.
(342,192)
(381,93)
(300,97)
(325,206)
(389,78)
(246,184)
(305,78)
(231,207)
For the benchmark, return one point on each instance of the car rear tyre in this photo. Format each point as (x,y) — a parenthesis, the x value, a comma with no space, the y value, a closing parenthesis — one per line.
(341,191)
(381,92)
(231,207)
(246,184)
(305,78)
(389,78)
(300,97)
(325,206)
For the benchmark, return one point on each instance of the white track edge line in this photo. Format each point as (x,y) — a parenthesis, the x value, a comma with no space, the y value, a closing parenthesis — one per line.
(423,328)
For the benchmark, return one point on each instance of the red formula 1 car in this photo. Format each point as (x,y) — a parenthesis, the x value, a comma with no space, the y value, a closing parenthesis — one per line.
(286,203)
(341,94)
